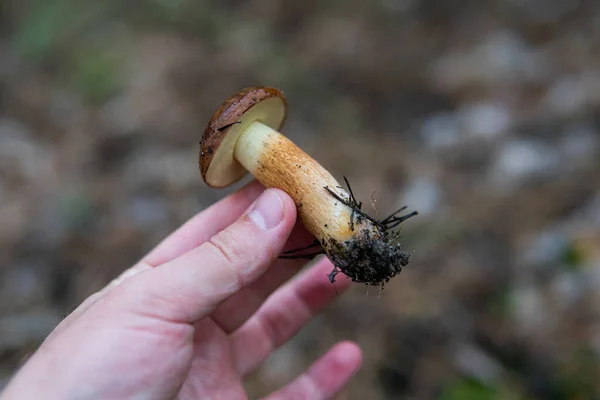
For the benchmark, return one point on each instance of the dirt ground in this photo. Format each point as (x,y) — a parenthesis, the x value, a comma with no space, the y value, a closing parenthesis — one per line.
(483,116)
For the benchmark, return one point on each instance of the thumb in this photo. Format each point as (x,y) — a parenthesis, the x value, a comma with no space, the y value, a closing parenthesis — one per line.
(191,286)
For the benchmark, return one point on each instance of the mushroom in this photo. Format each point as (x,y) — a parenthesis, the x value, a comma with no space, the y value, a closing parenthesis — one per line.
(242,136)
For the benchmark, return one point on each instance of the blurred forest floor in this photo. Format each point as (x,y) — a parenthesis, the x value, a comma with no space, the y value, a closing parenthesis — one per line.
(484,116)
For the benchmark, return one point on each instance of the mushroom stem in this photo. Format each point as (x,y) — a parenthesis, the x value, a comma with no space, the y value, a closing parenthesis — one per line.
(355,245)
(275,161)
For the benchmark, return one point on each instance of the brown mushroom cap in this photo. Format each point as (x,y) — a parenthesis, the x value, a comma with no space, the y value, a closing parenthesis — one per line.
(218,165)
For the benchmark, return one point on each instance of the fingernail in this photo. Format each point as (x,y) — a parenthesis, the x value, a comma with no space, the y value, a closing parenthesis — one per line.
(267,212)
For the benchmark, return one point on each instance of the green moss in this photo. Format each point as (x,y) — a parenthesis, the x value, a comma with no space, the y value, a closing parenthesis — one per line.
(572,257)
(42,28)
(48,28)
(96,74)
(469,389)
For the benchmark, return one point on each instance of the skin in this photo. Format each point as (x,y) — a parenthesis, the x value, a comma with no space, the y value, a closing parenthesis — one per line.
(195,316)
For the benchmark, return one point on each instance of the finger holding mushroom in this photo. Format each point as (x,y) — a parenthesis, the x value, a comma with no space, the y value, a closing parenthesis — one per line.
(242,136)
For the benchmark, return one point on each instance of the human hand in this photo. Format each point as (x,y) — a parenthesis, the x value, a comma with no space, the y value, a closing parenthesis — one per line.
(196,315)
